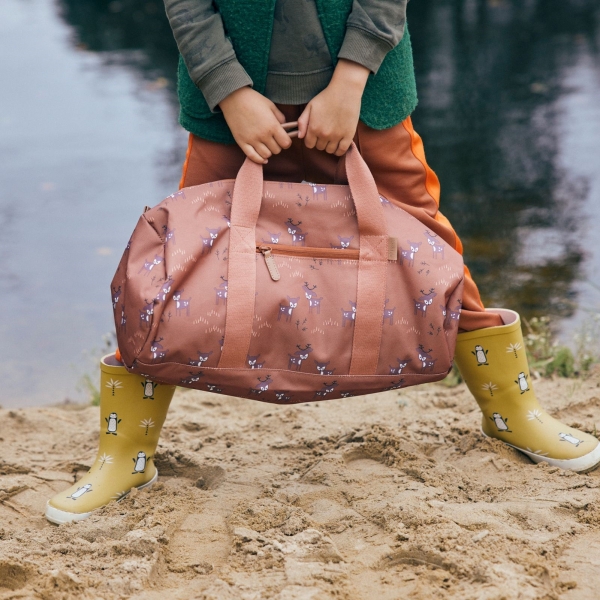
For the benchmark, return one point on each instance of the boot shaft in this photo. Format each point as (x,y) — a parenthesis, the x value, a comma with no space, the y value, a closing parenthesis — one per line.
(132,407)
(494,365)
(493,361)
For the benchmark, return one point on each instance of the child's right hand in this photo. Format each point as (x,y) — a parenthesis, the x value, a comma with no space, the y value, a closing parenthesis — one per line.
(255,123)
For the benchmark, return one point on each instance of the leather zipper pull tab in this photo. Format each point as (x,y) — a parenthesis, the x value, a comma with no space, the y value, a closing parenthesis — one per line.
(270,262)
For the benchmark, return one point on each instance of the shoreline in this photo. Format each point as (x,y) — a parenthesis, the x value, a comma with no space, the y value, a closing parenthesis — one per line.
(373,496)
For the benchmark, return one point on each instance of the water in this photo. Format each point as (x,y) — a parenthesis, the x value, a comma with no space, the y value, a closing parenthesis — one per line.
(86,140)
(580,156)
(497,82)
(88,135)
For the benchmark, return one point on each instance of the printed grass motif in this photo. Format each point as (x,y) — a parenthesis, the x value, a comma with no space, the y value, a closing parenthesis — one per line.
(514,348)
(104,459)
(147,423)
(534,414)
(490,387)
(114,385)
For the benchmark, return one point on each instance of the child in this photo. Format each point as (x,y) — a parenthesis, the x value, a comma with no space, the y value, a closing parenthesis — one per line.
(343,70)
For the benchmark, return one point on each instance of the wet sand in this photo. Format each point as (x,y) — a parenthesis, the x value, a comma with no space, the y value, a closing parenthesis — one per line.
(387,496)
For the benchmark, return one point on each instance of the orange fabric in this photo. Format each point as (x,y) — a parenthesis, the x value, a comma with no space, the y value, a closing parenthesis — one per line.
(396,159)
(432,183)
(186,162)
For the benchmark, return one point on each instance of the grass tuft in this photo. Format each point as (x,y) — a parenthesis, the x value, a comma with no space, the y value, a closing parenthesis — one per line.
(88,384)
(547,357)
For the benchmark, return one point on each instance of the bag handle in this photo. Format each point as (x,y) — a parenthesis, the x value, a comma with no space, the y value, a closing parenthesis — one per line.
(247,195)
(372,265)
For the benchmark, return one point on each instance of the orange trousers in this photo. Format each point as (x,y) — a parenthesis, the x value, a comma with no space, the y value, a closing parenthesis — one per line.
(396,158)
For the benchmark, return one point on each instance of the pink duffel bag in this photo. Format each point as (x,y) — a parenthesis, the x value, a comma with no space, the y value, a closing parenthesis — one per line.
(287,292)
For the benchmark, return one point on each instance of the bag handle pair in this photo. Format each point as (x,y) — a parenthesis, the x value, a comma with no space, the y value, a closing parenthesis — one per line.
(247,194)
(372,265)
(292,130)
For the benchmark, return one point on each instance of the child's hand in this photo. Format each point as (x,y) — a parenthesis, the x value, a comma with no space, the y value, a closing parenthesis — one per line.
(255,123)
(330,119)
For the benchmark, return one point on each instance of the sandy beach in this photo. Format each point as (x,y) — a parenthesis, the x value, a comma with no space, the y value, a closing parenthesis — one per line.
(395,495)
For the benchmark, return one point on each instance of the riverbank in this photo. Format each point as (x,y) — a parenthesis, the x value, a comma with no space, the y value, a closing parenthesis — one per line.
(386,496)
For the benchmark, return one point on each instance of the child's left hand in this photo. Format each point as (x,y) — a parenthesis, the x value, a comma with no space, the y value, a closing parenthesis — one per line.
(330,119)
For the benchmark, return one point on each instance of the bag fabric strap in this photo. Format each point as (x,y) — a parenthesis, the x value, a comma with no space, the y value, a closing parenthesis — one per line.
(241,269)
(372,266)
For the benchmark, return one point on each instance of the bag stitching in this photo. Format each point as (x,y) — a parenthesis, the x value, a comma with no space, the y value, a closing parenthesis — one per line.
(320,377)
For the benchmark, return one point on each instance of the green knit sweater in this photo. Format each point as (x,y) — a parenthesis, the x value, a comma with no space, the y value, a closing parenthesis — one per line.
(389,96)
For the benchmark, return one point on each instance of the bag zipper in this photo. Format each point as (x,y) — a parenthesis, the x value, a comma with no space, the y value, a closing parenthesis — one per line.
(340,253)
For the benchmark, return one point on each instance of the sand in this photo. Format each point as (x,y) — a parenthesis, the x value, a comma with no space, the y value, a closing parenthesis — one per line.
(395,495)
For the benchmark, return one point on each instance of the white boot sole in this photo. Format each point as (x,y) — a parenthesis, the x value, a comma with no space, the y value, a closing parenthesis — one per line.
(584,463)
(59,517)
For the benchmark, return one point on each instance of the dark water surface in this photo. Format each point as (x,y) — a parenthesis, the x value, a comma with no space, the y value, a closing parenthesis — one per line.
(509,111)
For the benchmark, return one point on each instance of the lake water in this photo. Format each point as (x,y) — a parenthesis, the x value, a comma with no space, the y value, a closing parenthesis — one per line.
(509,111)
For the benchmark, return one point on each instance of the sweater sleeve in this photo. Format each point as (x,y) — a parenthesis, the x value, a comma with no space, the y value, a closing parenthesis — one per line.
(208,54)
(373,28)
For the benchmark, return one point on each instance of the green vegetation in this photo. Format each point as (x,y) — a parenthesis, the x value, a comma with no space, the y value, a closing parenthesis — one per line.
(547,357)
(453,378)
(88,384)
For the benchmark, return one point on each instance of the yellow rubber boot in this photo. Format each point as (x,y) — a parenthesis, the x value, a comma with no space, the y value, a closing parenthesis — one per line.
(493,363)
(132,412)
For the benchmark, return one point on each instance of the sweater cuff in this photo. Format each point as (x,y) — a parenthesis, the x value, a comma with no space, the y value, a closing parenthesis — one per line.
(222,81)
(364,48)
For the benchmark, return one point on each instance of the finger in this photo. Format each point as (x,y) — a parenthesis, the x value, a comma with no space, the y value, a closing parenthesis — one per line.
(263,150)
(253,155)
(310,141)
(278,114)
(332,147)
(343,147)
(303,120)
(322,143)
(272,145)
(283,138)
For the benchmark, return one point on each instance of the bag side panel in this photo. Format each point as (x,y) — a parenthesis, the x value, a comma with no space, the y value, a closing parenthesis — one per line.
(452,317)
(192,300)
(140,275)
(416,334)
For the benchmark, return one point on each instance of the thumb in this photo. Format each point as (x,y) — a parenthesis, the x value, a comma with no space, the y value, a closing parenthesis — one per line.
(303,122)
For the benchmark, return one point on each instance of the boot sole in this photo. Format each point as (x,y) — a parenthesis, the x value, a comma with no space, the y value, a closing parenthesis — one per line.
(59,517)
(583,464)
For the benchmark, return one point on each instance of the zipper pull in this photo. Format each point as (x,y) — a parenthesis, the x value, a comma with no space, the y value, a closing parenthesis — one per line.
(270,262)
